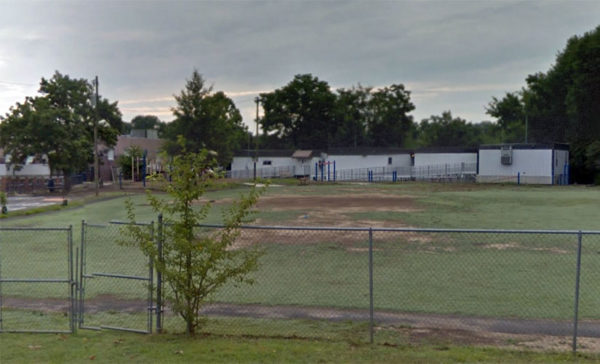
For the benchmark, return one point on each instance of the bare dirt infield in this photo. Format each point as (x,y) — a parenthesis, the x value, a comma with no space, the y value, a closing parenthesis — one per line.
(339,203)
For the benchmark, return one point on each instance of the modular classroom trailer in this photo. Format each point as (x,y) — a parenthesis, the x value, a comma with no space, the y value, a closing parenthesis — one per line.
(524,163)
(357,164)
(529,163)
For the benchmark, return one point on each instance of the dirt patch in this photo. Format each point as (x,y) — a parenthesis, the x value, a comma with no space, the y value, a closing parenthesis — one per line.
(515,245)
(449,336)
(341,203)
(395,328)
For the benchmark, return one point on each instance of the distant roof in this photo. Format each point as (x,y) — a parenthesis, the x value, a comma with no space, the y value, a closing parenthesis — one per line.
(447,150)
(555,146)
(302,154)
(151,145)
(264,153)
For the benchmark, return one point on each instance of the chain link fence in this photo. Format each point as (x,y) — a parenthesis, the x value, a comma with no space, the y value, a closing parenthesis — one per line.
(378,280)
(116,281)
(37,284)
(516,282)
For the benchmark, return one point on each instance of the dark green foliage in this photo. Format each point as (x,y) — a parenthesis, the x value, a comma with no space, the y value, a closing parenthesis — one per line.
(127,160)
(59,125)
(562,104)
(207,120)
(510,113)
(448,131)
(301,113)
(307,114)
(146,122)
(351,114)
(196,262)
(389,123)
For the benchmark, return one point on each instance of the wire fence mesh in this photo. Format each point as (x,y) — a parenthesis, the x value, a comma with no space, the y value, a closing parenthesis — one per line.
(37,286)
(380,280)
(116,281)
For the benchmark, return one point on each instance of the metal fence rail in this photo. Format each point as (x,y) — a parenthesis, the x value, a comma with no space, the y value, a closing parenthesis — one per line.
(509,281)
(37,277)
(116,281)
(328,172)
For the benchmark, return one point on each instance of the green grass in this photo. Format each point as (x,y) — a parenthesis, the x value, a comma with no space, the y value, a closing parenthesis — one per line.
(497,275)
(264,341)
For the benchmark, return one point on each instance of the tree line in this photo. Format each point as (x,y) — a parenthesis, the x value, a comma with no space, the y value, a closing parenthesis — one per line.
(560,105)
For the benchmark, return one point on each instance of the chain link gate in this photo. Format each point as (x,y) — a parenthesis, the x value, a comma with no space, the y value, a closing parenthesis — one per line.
(116,281)
(37,286)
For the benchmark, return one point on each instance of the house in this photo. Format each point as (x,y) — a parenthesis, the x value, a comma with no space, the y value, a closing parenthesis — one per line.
(146,140)
(31,176)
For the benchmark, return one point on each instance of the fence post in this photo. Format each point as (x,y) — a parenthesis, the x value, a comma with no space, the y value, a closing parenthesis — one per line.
(159,303)
(371,323)
(577,275)
(81,273)
(151,280)
(72,283)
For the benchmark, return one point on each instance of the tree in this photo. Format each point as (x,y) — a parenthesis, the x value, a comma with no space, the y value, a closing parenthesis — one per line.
(127,161)
(195,263)
(206,120)
(301,114)
(562,104)
(59,125)
(444,131)
(390,124)
(148,122)
(510,113)
(351,113)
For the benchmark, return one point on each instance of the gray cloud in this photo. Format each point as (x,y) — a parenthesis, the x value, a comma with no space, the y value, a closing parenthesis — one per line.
(451,54)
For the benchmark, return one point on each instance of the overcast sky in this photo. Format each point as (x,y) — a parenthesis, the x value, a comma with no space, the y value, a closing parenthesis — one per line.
(451,55)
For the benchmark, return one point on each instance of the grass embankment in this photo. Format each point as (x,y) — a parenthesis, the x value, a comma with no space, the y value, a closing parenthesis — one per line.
(342,347)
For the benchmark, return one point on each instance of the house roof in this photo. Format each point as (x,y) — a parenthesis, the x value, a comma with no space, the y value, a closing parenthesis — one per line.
(302,154)
(152,146)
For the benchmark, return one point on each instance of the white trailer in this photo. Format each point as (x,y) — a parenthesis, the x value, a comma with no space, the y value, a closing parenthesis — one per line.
(524,164)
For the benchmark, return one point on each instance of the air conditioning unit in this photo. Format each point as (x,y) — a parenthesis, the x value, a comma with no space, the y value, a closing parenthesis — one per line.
(506,155)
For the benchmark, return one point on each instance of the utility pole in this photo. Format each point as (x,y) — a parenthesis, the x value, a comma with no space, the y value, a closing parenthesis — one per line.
(96,164)
(526,121)
(257,100)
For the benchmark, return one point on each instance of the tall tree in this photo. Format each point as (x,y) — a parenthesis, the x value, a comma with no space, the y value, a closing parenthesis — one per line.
(446,131)
(59,124)
(390,124)
(351,113)
(146,122)
(511,116)
(301,113)
(206,120)
(563,105)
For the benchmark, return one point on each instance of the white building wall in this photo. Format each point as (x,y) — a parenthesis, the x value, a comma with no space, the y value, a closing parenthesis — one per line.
(267,167)
(528,165)
(430,159)
(369,161)
(26,170)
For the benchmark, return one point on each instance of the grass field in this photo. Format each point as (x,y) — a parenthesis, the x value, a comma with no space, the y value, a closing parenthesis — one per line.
(482,275)
(112,347)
